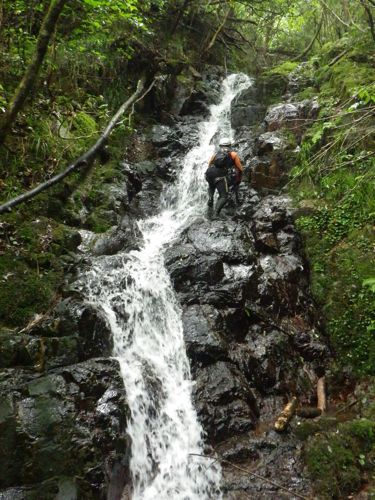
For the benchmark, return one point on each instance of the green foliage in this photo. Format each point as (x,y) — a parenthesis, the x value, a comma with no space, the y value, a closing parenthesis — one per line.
(102,46)
(337,460)
(283,69)
(24,291)
(370,282)
(336,171)
(365,94)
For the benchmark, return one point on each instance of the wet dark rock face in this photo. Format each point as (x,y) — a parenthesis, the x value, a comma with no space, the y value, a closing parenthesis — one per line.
(268,137)
(63,431)
(252,332)
(63,409)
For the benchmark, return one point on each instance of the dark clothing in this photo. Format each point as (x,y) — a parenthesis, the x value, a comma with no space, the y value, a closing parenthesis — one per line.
(217,179)
(221,179)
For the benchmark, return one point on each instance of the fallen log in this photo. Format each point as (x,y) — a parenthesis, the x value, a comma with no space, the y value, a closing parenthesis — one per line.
(308,412)
(87,158)
(286,415)
(321,394)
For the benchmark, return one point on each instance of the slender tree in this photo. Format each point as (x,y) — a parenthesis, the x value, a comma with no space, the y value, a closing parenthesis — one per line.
(32,71)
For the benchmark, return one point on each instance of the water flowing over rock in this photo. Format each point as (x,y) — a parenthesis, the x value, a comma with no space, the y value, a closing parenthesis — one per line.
(210,320)
(146,319)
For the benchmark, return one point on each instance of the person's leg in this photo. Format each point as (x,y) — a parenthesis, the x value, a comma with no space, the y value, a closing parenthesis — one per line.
(222,187)
(211,192)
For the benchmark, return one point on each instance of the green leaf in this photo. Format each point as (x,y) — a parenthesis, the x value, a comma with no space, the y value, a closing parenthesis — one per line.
(370,283)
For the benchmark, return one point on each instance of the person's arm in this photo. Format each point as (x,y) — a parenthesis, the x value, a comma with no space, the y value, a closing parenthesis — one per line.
(237,161)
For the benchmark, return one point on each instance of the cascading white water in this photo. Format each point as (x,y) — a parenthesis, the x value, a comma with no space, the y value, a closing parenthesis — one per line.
(135,291)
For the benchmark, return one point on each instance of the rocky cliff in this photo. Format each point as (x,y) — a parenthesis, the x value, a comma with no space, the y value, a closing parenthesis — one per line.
(253,334)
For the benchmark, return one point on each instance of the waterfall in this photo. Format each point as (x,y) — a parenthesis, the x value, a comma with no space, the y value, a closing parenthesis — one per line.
(136,293)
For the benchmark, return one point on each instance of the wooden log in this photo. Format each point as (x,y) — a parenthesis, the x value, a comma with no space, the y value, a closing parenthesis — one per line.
(321,393)
(308,412)
(286,415)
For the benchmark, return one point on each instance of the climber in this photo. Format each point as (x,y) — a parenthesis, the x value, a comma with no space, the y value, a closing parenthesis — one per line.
(224,172)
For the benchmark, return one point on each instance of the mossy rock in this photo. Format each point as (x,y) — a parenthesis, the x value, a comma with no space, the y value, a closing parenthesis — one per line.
(304,429)
(271,87)
(24,291)
(84,124)
(283,69)
(307,93)
(100,221)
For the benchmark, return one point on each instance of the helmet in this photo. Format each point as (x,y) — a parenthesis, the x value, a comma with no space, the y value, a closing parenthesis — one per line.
(225,142)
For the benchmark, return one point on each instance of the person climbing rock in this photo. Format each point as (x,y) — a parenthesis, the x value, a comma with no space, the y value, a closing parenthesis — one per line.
(224,172)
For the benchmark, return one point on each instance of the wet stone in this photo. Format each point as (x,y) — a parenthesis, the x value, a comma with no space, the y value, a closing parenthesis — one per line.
(187,268)
(232,241)
(195,104)
(125,237)
(270,142)
(203,333)
(224,401)
(49,416)
(161,135)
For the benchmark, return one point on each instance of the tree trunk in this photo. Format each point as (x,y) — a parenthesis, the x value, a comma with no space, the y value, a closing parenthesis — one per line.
(216,34)
(370,18)
(32,71)
(286,415)
(321,394)
(309,47)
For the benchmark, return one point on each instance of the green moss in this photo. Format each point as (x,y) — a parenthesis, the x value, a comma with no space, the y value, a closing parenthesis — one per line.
(272,83)
(336,172)
(362,431)
(307,93)
(283,69)
(25,291)
(303,429)
(336,460)
(98,222)
(84,124)
(341,259)
(344,77)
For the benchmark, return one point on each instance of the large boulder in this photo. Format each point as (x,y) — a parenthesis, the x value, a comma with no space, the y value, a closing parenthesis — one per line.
(186,267)
(232,241)
(291,115)
(246,110)
(125,237)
